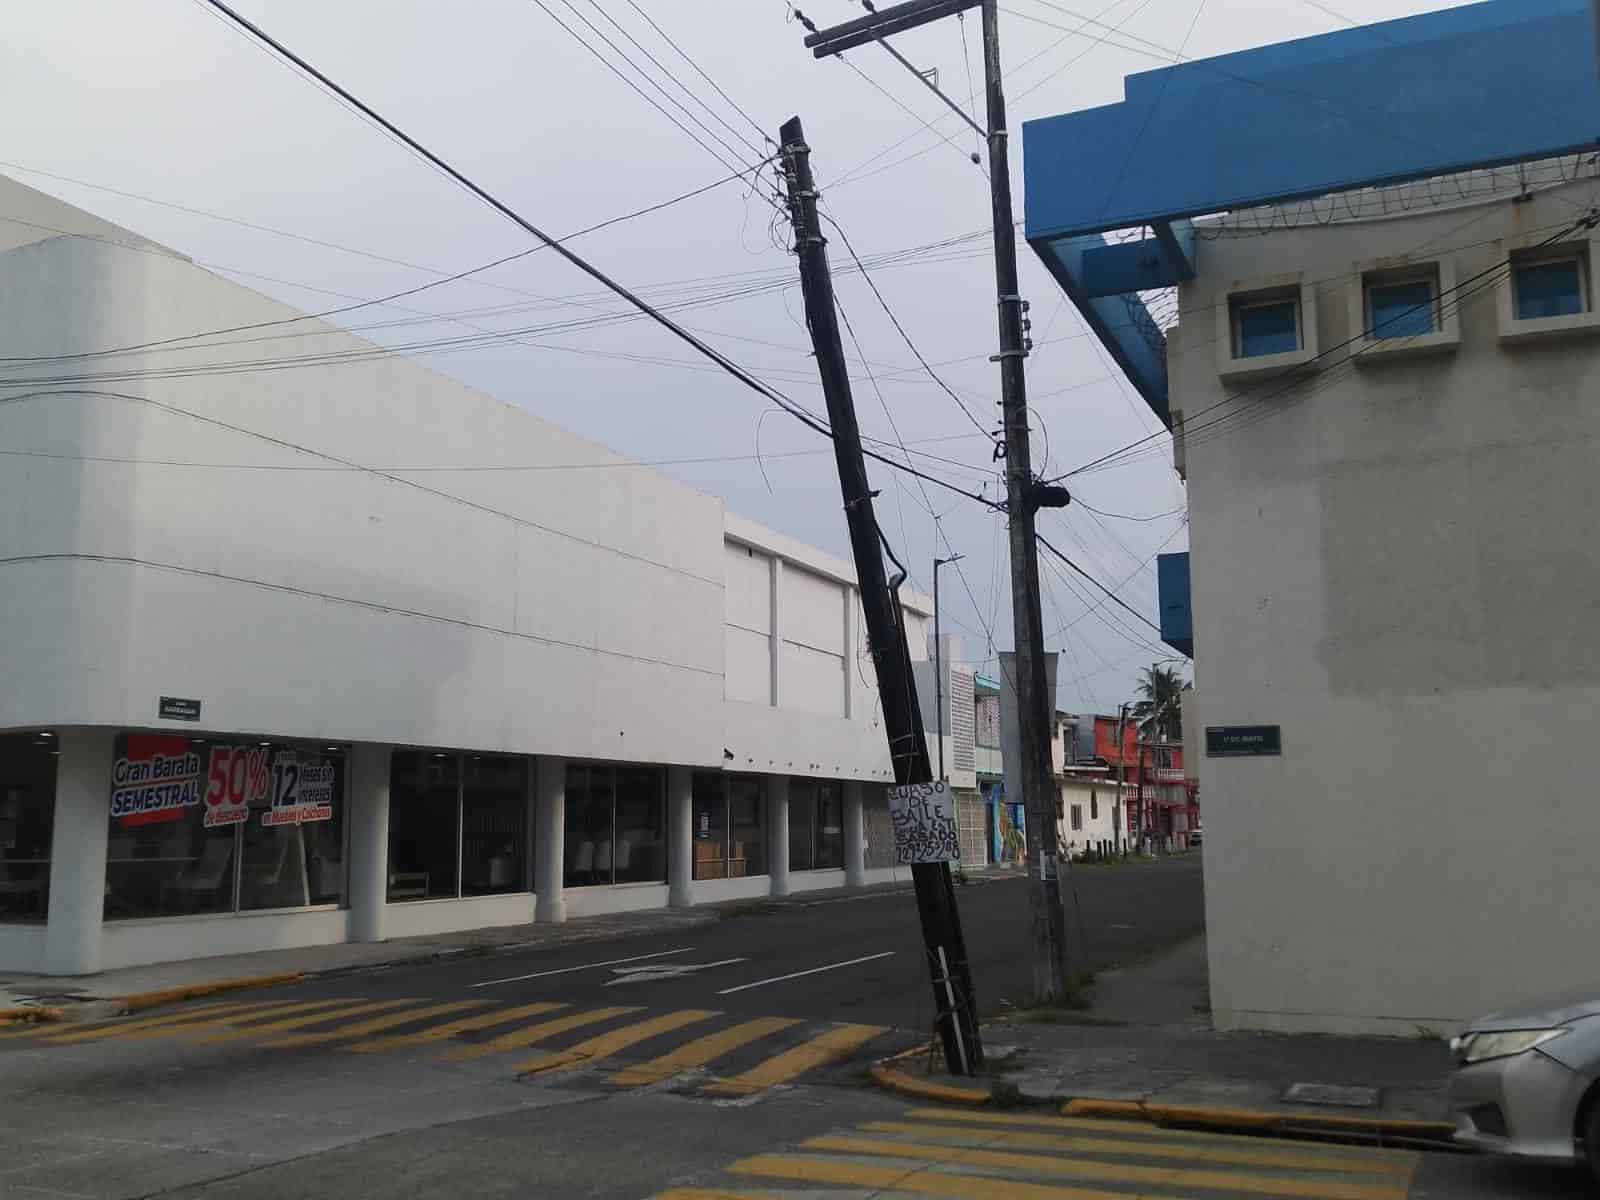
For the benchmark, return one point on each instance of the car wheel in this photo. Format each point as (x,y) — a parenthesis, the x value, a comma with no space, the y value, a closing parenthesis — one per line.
(1591,1138)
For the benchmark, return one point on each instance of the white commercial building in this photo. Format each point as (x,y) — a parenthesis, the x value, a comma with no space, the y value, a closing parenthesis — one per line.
(274,676)
(1381,370)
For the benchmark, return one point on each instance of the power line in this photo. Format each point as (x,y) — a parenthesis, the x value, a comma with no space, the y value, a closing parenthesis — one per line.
(716,356)
(643,95)
(1112,596)
(381,300)
(754,124)
(753,147)
(901,329)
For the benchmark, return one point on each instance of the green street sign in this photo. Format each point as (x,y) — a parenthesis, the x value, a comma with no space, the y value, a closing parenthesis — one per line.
(1243,741)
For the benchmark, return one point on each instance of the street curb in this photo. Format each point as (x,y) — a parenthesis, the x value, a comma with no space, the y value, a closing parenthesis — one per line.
(1257,1121)
(905,1085)
(140,1001)
(23,1014)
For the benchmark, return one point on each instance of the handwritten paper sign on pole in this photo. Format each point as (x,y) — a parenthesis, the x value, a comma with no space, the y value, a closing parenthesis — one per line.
(924,818)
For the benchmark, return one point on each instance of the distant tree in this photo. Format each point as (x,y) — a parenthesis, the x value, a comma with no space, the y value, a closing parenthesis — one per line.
(1160,711)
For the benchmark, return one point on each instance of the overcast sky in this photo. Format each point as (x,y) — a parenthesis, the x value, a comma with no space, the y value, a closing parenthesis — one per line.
(163,100)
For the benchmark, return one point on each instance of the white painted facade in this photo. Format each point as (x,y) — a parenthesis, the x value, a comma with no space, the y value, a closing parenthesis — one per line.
(1086,811)
(282,546)
(1395,561)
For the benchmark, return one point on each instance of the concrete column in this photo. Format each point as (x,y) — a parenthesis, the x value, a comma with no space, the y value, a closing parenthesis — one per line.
(78,852)
(855,835)
(369,840)
(550,840)
(777,789)
(680,837)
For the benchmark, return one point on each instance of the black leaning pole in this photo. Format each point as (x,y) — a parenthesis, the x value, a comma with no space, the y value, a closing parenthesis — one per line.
(891,659)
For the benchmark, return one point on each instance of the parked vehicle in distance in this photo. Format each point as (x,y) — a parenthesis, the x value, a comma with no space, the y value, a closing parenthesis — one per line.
(1527,1082)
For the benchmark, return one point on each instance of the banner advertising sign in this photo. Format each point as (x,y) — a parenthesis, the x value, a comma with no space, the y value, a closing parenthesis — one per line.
(302,792)
(237,779)
(156,780)
(924,819)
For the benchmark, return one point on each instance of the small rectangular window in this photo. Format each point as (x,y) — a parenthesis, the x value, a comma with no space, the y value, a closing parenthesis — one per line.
(1094,806)
(1550,287)
(1402,308)
(1265,325)
(1077,816)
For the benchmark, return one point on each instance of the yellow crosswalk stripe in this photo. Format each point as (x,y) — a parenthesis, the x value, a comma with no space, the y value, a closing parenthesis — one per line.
(919,1180)
(1266,1157)
(702,1051)
(694,1193)
(438,1033)
(1233,1182)
(324,1009)
(377,1025)
(1145,1131)
(527,1036)
(616,1040)
(293,1023)
(839,1042)
(191,1016)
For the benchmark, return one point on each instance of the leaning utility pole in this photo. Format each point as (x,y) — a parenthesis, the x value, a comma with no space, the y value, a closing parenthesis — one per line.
(886,635)
(1024,494)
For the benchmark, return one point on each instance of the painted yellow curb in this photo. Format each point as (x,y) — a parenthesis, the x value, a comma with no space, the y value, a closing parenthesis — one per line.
(140,1001)
(24,1013)
(1239,1118)
(912,1088)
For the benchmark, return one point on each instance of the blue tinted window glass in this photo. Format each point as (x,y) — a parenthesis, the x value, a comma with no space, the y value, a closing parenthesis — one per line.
(1268,328)
(1401,309)
(1549,289)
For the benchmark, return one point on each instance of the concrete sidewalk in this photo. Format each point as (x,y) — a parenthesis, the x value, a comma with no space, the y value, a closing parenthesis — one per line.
(28,996)
(1146,1048)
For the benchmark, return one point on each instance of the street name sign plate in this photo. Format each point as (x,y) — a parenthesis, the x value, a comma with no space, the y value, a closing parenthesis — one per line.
(1243,741)
(176,708)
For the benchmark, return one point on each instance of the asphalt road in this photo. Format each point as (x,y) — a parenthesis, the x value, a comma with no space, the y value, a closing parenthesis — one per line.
(637,1068)
(852,958)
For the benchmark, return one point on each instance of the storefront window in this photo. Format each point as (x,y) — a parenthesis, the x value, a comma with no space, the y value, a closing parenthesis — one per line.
(830,826)
(293,852)
(27,815)
(816,825)
(729,837)
(203,825)
(494,825)
(710,825)
(640,854)
(615,825)
(747,850)
(424,825)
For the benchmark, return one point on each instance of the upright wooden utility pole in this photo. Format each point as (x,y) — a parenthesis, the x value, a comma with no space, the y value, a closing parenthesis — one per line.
(1024,494)
(886,636)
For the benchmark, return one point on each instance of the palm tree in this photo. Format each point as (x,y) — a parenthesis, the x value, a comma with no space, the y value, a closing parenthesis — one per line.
(1160,712)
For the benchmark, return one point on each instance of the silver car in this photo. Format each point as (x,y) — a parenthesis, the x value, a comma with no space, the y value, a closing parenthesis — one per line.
(1527,1083)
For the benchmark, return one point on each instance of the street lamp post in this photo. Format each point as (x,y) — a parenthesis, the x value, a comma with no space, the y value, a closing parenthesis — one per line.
(938,662)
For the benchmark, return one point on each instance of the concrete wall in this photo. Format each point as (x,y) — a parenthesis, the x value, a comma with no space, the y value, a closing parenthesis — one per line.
(1396,562)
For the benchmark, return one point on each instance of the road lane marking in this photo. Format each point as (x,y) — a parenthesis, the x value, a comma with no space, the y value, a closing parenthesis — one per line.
(744,987)
(1265,1157)
(216,1014)
(694,1193)
(1230,1182)
(838,1042)
(617,1040)
(586,967)
(375,1025)
(438,1033)
(655,971)
(921,1181)
(519,1038)
(316,1018)
(702,1051)
(1142,1130)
